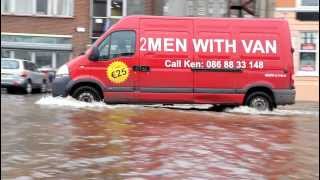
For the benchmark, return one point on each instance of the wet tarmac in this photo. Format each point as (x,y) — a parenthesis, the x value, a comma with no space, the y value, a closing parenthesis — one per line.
(55,138)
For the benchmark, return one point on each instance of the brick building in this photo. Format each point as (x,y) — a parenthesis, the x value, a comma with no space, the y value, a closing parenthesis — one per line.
(50,32)
(303,18)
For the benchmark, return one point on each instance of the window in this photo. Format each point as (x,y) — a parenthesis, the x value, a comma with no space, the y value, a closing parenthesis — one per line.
(5,53)
(5,5)
(307,61)
(106,13)
(44,59)
(35,39)
(62,58)
(29,66)
(38,7)
(307,16)
(62,7)
(116,8)
(42,6)
(122,43)
(308,58)
(22,54)
(23,7)
(104,49)
(309,2)
(135,7)
(9,64)
(101,25)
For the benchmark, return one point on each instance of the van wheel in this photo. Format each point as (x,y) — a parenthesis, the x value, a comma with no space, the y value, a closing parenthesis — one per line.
(260,101)
(86,94)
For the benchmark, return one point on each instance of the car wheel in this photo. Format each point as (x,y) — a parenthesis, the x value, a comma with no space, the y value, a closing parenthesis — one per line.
(28,88)
(86,94)
(44,87)
(260,101)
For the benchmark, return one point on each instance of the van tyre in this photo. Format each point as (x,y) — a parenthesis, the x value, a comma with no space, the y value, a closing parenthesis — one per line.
(86,94)
(260,101)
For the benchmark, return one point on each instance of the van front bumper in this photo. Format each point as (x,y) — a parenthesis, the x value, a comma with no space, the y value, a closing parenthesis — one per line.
(59,86)
(284,96)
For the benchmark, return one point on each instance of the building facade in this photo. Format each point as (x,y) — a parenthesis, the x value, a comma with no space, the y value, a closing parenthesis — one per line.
(303,19)
(47,32)
(50,32)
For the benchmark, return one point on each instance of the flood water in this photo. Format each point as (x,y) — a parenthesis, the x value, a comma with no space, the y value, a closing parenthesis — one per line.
(56,138)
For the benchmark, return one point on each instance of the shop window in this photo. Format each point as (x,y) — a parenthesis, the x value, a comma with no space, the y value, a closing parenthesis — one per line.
(43,59)
(35,39)
(62,58)
(308,58)
(307,61)
(22,54)
(5,53)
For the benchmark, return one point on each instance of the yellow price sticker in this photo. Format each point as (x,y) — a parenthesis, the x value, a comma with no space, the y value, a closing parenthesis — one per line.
(117,72)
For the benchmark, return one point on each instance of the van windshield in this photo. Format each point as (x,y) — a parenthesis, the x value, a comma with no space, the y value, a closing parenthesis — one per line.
(9,64)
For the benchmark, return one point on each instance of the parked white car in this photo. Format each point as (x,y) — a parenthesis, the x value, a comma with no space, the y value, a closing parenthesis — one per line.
(22,74)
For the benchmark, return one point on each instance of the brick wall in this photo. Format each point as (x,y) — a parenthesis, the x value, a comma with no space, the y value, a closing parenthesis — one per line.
(53,25)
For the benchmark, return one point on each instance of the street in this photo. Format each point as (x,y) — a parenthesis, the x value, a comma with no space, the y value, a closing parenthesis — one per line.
(55,138)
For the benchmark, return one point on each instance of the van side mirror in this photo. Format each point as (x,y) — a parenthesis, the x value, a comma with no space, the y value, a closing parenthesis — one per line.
(94,55)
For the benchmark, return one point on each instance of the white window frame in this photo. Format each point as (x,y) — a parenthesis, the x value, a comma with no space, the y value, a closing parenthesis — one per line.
(34,9)
(316,51)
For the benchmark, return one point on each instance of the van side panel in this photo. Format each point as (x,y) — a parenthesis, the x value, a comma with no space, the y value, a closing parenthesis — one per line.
(209,85)
(161,49)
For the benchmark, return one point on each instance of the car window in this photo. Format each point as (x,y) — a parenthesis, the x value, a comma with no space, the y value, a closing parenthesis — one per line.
(104,49)
(33,67)
(121,43)
(27,65)
(9,64)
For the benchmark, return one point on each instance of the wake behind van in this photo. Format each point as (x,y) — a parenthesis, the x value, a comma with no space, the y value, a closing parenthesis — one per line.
(170,60)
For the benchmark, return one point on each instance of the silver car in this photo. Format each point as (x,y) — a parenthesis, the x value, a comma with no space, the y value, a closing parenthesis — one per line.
(22,74)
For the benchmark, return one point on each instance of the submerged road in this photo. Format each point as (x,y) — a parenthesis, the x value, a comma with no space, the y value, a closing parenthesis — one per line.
(62,139)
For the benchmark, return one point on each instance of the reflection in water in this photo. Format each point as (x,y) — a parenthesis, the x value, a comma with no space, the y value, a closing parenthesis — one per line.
(152,143)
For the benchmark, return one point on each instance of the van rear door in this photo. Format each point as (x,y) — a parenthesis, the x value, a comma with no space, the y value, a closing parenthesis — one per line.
(164,50)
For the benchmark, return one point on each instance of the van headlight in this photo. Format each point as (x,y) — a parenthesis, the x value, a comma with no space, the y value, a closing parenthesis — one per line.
(62,71)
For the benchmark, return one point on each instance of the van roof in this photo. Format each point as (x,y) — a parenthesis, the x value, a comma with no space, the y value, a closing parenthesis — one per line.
(204,18)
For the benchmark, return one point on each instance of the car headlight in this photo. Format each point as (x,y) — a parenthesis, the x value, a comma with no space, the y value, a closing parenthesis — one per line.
(62,71)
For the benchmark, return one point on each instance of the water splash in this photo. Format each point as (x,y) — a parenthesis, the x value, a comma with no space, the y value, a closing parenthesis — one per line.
(277,112)
(73,103)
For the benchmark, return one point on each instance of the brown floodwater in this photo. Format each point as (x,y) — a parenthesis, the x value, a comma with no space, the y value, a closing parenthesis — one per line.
(57,138)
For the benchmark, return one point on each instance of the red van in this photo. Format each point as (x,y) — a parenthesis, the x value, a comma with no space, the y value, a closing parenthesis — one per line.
(169,60)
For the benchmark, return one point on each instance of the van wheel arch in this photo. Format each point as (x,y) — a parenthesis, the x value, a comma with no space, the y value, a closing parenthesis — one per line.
(87,84)
(262,89)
